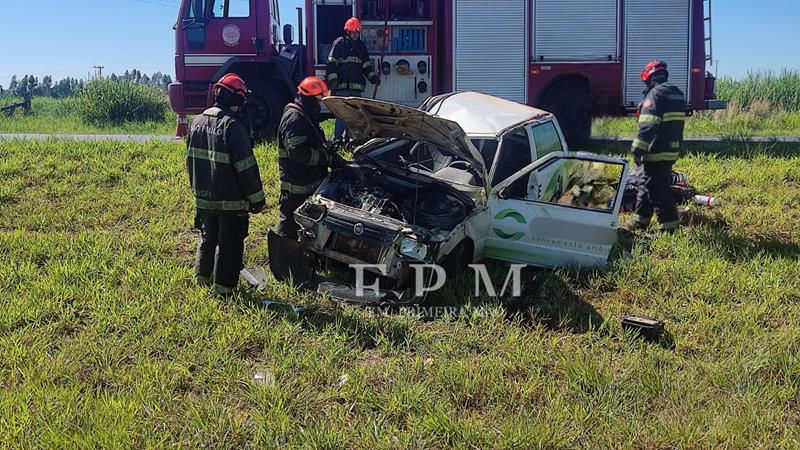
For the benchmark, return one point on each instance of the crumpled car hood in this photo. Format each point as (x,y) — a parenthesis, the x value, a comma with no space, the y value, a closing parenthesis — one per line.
(368,119)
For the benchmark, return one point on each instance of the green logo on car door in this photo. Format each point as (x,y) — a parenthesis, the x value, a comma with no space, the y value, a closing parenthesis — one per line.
(514,215)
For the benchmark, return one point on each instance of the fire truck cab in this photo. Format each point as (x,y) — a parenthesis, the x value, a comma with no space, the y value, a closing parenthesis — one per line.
(214,37)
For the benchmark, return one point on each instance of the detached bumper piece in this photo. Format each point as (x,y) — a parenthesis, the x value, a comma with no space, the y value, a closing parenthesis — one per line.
(288,261)
(369,297)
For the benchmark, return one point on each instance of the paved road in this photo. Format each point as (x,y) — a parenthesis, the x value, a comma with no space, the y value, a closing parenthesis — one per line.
(161,138)
(86,137)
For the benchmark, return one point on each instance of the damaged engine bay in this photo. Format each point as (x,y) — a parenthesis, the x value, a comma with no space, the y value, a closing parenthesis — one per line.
(430,205)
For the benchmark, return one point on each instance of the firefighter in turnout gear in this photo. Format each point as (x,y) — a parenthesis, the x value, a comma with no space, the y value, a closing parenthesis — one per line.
(350,67)
(226,184)
(656,147)
(303,156)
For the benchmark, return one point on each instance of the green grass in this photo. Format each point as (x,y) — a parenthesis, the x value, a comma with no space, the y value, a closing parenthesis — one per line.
(106,342)
(736,122)
(760,104)
(56,116)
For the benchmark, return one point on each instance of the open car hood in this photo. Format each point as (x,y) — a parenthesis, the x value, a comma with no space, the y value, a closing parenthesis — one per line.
(368,119)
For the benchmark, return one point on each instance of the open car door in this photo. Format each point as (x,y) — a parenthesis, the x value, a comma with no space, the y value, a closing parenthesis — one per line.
(561,210)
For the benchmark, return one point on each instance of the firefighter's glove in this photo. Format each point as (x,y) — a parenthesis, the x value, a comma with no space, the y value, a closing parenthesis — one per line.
(376,80)
(638,158)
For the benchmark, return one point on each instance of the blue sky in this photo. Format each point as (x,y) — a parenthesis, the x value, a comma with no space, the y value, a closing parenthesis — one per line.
(67,38)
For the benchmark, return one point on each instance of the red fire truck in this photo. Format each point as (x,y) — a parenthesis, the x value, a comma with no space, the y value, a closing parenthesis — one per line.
(576,58)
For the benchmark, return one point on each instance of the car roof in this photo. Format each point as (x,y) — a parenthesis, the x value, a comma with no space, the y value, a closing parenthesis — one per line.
(482,114)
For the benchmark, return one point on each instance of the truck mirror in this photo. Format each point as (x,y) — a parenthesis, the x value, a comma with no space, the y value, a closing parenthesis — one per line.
(288,34)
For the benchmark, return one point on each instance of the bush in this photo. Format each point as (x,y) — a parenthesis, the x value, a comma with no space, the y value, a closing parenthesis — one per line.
(54,107)
(104,102)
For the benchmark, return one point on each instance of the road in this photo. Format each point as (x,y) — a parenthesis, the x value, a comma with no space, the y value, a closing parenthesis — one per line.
(162,138)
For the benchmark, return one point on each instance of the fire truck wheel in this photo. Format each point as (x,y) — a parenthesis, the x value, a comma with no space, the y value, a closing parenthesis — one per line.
(570,100)
(264,109)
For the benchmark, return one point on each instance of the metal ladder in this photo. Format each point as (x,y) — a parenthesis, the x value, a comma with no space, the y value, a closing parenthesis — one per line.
(709,49)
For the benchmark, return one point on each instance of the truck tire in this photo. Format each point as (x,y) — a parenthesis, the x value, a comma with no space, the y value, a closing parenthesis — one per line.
(570,100)
(264,109)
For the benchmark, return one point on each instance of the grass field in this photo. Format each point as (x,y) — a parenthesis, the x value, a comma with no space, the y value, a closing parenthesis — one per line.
(56,116)
(725,124)
(761,104)
(735,123)
(105,341)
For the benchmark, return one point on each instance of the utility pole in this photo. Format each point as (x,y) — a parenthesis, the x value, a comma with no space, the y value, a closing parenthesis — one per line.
(100,70)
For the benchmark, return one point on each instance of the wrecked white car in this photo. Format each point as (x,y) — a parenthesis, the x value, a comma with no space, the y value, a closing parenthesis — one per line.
(465,177)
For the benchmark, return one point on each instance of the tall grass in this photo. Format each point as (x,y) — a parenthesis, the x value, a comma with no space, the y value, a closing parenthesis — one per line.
(104,102)
(781,90)
(59,116)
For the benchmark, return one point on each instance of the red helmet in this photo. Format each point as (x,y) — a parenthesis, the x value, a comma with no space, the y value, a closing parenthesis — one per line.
(653,67)
(313,87)
(233,83)
(352,25)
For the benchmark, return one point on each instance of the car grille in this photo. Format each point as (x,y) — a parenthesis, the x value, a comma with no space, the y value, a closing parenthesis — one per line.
(370,232)
(361,250)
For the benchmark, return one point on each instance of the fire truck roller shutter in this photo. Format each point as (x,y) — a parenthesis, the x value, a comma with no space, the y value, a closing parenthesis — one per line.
(491,48)
(656,30)
(575,30)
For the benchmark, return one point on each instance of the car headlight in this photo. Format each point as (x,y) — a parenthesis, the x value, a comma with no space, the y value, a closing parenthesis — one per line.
(413,249)
(310,214)
(313,211)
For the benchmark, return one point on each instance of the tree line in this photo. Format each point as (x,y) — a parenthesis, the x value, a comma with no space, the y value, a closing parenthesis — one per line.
(32,86)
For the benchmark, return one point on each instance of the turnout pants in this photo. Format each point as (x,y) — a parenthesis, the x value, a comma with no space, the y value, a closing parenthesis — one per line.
(656,195)
(288,202)
(219,254)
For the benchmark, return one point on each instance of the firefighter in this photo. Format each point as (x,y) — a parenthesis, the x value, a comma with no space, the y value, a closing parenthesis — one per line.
(350,67)
(226,184)
(303,156)
(661,118)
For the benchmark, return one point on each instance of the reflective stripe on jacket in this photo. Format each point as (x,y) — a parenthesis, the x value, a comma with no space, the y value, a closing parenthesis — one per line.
(661,121)
(302,158)
(223,171)
(349,64)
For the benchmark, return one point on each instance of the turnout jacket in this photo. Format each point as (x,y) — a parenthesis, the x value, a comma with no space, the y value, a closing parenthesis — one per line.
(222,169)
(661,119)
(349,65)
(302,157)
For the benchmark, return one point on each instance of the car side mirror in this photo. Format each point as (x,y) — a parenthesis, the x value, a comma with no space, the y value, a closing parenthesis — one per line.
(288,34)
